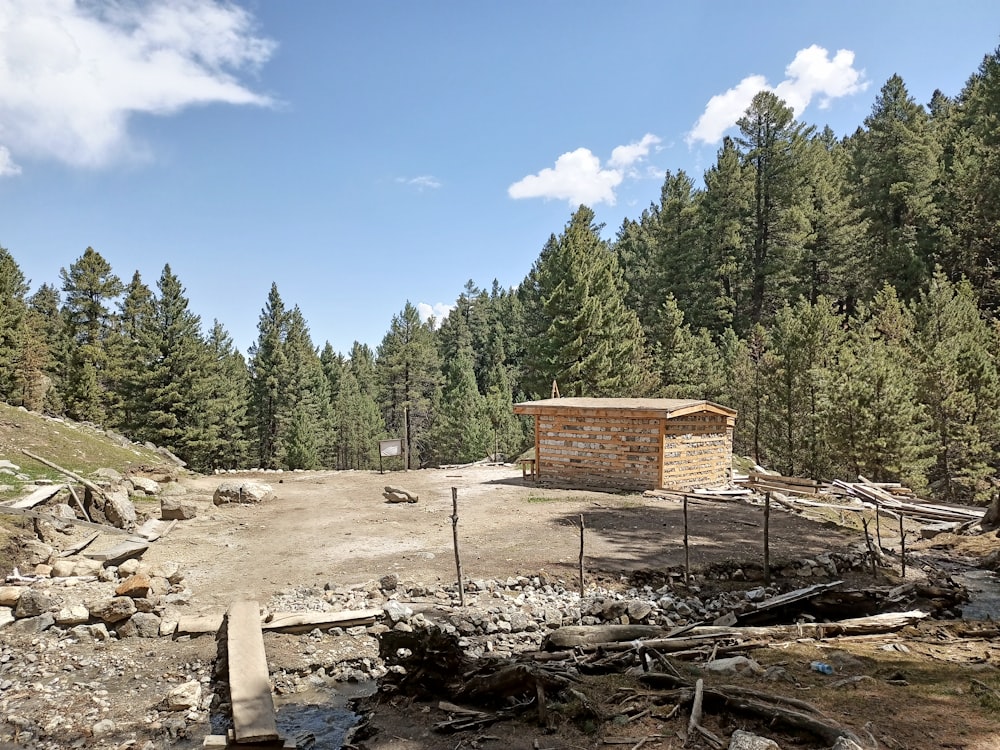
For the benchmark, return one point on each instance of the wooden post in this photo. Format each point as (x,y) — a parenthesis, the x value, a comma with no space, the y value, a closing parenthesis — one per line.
(76,499)
(582,585)
(687,561)
(767,541)
(868,541)
(878,524)
(454,534)
(902,545)
(406,438)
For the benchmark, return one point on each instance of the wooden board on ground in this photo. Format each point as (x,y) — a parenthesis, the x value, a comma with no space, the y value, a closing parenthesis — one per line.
(249,685)
(154,529)
(120,552)
(199,624)
(80,546)
(293,622)
(37,497)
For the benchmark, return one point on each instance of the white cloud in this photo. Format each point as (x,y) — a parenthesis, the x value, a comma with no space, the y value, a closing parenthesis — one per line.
(578,176)
(7,166)
(73,72)
(811,73)
(439,311)
(421,182)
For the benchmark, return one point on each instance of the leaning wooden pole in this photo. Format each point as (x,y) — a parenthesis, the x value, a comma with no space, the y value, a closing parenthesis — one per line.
(454,534)
(687,559)
(582,584)
(76,477)
(868,541)
(767,539)
(72,494)
(902,545)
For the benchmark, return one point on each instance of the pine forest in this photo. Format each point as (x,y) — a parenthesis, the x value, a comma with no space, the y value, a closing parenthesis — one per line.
(842,294)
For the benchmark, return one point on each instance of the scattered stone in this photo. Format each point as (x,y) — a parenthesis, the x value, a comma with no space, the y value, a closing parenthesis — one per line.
(242,492)
(119,509)
(741,740)
(103,728)
(86,567)
(184,697)
(844,743)
(140,625)
(109,476)
(173,508)
(136,586)
(6,616)
(145,486)
(396,612)
(33,603)
(638,610)
(388,582)
(63,568)
(34,552)
(75,614)
(9,595)
(113,610)
(31,625)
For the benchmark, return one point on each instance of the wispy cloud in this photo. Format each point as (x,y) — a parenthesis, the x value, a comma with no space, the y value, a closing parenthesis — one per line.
(813,73)
(439,311)
(7,166)
(421,183)
(578,177)
(73,72)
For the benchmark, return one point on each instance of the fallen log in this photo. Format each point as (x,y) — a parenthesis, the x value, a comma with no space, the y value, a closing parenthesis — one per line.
(75,477)
(283,622)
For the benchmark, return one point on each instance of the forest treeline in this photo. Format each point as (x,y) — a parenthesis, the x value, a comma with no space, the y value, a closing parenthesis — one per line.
(842,294)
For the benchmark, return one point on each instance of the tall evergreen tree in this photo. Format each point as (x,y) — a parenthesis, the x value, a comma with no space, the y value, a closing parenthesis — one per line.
(90,288)
(136,348)
(579,331)
(409,375)
(47,325)
(269,404)
(13,308)
(461,431)
(225,443)
(774,149)
(311,421)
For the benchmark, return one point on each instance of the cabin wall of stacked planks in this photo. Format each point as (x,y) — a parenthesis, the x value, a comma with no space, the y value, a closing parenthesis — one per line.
(631,443)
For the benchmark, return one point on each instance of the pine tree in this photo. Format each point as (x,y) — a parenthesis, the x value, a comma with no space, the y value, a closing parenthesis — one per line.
(13,309)
(311,420)
(895,166)
(461,431)
(579,331)
(774,146)
(47,325)
(409,374)
(90,288)
(269,403)
(225,443)
(359,425)
(959,387)
(136,349)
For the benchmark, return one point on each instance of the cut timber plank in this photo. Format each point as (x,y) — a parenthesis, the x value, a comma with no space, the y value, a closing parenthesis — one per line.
(291,622)
(80,546)
(154,529)
(37,497)
(249,684)
(121,551)
(199,624)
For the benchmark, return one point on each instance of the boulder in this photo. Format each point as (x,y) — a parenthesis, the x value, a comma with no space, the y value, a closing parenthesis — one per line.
(108,476)
(86,567)
(145,486)
(741,740)
(140,625)
(32,625)
(135,586)
(10,594)
(63,568)
(173,509)
(32,603)
(184,697)
(6,616)
(242,492)
(97,631)
(119,509)
(35,553)
(113,610)
(638,610)
(169,569)
(75,614)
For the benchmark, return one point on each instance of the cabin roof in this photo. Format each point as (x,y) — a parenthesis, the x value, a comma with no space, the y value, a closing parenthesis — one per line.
(661,407)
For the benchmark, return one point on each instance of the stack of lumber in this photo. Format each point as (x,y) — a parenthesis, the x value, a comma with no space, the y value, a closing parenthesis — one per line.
(761,482)
(885,499)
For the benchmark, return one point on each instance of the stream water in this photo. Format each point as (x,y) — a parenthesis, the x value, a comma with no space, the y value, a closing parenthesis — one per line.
(984,594)
(322,713)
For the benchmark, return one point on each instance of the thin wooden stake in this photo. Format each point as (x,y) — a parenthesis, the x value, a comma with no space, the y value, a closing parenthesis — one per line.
(868,541)
(902,544)
(79,505)
(767,541)
(454,534)
(687,559)
(878,524)
(582,585)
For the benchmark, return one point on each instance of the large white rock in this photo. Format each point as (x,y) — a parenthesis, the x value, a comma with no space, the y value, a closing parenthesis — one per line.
(119,509)
(145,486)
(184,697)
(242,492)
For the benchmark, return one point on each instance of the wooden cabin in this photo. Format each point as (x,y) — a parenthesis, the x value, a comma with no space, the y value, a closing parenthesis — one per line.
(632,443)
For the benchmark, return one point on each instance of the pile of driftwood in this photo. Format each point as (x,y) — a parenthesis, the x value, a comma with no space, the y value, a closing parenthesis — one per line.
(564,681)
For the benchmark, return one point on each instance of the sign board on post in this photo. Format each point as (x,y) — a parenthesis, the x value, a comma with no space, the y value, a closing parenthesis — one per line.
(389,448)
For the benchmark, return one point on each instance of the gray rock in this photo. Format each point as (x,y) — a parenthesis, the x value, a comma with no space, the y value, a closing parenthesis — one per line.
(32,625)
(242,492)
(174,509)
(97,631)
(741,740)
(75,614)
(63,568)
(34,552)
(87,567)
(113,610)
(110,476)
(119,509)
(33,603)
(396,612)
(638,610)
(140,625)
(103,728)
(845,743)
(6,616)
(184,697)
(145,486)
(388,582)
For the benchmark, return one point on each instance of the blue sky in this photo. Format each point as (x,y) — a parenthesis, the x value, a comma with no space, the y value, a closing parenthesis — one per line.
(364,154)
